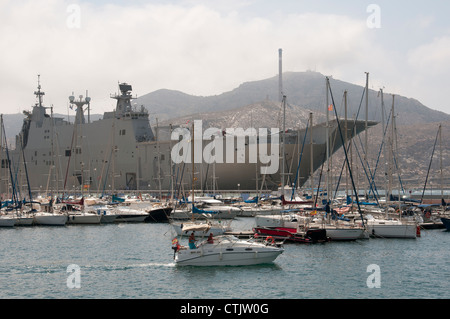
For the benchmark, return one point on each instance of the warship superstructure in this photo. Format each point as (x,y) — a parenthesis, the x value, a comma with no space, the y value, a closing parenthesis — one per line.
(122,152)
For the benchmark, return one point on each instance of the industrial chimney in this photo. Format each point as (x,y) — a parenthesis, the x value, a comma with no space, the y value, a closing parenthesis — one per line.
(280,74)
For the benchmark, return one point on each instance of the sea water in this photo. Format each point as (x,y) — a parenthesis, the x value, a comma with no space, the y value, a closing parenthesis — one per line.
(135,261)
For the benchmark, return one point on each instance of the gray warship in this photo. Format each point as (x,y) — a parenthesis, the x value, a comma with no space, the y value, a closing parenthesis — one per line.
(121,152)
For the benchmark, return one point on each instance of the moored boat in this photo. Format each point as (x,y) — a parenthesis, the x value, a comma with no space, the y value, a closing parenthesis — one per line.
(309,236)
(201,228)
(392,228)
(83,218)
(7,221)
(24,220)
(50,219)
(446,222)
(158,214)
(125,214)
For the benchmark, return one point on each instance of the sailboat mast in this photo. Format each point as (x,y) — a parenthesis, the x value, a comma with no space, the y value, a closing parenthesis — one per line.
(365,125)
(440,153)
(283,147)
(327,134)
(312,156)
(383,130)
(192,159)
(346,140)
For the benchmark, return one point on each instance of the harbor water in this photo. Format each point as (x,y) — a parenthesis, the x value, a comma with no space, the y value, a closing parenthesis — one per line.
(135,261)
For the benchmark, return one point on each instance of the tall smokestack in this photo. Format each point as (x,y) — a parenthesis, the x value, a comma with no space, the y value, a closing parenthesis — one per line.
(280,74)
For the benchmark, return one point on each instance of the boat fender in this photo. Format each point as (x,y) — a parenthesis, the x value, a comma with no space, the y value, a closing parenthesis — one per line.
(220,255)
(418,231)
(270,240)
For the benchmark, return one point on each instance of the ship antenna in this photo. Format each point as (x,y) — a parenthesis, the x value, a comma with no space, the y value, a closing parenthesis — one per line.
(38,93)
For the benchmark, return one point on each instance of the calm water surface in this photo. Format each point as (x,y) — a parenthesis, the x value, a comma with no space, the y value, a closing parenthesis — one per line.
(135,261)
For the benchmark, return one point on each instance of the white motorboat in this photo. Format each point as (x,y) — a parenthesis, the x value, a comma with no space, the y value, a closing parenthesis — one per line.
(50,219)
(7,221)
(228,250)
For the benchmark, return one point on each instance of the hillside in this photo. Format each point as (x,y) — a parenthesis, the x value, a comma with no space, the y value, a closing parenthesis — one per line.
(304,89)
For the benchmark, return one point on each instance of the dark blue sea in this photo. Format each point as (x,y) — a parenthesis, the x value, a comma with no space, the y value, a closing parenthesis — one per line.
(135,261)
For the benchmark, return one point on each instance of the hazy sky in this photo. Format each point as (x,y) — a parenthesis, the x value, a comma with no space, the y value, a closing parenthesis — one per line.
(210,47)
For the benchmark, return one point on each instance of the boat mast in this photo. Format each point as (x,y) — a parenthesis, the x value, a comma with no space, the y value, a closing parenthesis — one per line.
(383,130)
(283,147)
(312,156)
(395,139)
(327,134)
(440,152)
(192,159)
(346,140)
(365,126)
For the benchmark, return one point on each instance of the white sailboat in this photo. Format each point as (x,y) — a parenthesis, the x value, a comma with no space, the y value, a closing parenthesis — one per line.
(7,221)
(24,219)
(76,213)
(82,217)
(50,219)
(384,227)
(391,228)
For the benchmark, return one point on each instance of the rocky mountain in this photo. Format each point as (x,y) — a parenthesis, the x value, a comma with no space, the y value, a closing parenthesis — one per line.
(417,156)
(303,89)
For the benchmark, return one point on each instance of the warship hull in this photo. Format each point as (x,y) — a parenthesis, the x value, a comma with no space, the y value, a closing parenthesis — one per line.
(120,152)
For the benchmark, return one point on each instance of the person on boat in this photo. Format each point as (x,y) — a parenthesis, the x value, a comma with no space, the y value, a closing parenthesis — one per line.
(192,241)
(210,239)
(175,246)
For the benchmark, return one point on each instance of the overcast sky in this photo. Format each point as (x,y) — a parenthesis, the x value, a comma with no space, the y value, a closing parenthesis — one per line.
(210,47)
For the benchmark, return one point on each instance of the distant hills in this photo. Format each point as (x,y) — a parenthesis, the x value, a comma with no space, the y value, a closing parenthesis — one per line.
(303,90)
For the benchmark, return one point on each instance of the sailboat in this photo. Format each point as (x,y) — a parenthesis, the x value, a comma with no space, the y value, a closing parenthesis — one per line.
(7,221)
(387,227)
(76,213)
